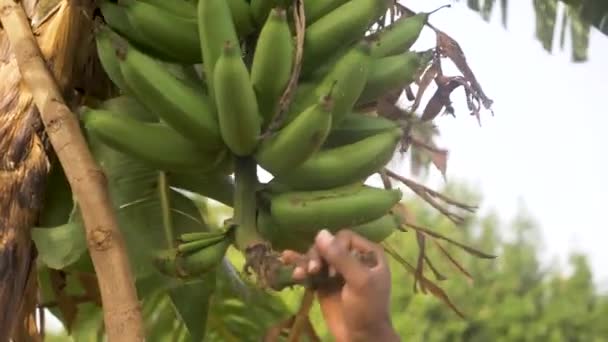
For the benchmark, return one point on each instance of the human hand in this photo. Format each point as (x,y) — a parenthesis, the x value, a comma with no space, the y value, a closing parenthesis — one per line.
(358,310)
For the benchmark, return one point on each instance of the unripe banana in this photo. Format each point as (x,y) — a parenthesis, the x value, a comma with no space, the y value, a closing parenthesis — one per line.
(357,126)
(116,17)
(153,143)
(130,106)
(379,229)
(236,103)
(300,240)
(269,74)
(391,73)
(400,36)
(315,9)
(180,8)
(261,8)
(216,27)
(343,165)
(181,106)
(298,141)
(107,44)
(178,35)
(345,81)
(174,264)
(241,16)
(332,209)
(217,186)
(341,27)
(200,236)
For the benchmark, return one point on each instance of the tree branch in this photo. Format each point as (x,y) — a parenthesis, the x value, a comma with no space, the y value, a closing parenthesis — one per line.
(122,313)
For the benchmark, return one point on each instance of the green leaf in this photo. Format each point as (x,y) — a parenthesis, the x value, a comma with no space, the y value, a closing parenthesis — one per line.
(60,246)
(191,304)
(134,189)
(58,203)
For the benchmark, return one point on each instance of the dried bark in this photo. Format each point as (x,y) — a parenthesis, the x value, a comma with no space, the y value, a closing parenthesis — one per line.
(40,89)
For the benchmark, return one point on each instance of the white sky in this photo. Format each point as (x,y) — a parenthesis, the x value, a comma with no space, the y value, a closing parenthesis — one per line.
(544,145)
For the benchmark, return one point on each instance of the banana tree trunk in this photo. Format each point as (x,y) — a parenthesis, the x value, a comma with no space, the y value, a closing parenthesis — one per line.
(63,32)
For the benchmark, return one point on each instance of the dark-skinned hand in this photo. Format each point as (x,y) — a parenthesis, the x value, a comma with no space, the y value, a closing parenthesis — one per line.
(359,309)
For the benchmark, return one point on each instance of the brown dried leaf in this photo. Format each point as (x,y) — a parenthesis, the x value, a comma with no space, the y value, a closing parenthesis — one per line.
(428,284)
(427,77)
(450,48)
(436,235)
(431,196)
(455,262)
(420,264)
(439,156)
(436,272)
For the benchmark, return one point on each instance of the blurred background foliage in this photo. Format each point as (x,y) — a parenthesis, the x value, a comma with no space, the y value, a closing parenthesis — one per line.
(512,298)
(576,17)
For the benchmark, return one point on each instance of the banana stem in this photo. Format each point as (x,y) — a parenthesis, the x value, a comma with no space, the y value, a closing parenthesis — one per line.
(246,182)
(165,205)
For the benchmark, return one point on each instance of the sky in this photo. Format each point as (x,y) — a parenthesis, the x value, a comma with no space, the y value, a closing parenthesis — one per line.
(543,147)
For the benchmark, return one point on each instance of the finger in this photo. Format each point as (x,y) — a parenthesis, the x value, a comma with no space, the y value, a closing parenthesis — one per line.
(290,257)
(336,251)
(314,261)
(363,245)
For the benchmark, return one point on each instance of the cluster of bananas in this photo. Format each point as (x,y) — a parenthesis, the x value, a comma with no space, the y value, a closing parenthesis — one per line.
(202,80)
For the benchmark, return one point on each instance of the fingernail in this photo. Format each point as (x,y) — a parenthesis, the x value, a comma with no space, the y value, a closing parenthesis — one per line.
(312,265)
(324,237)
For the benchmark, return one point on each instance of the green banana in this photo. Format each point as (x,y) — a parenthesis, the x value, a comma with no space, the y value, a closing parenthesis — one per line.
(315,9)
(379,229)
(269,74)
(172,263)
(217,186)
(178,35)
(129,105)
(241,16)
(345,81)
(341,27)
(153,143)
(179,8)
(201,236)
(391,73)
(181,106)
(357,126)
(199,242)
(107,43)
(216,27)
(261,8)
(332,209)
(400,36)
(282,238)
(236,103)
(343,165)
(116,17)
(298,141)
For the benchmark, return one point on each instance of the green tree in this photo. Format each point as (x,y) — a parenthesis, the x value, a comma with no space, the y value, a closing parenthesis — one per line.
(578,17)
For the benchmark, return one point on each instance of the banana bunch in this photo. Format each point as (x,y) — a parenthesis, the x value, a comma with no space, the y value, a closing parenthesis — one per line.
(201,81)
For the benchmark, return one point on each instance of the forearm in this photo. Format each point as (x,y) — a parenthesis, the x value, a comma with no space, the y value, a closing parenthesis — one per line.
(384,333)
